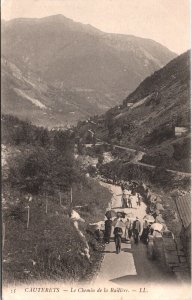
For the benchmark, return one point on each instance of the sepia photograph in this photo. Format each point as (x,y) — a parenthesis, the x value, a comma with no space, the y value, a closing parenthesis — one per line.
(96,149)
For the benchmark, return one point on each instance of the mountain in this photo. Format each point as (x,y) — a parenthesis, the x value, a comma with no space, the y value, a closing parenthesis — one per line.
(155,118)
(101,67)
(29,97)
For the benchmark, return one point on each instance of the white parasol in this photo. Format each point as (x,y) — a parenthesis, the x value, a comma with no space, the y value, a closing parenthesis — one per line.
(157,226)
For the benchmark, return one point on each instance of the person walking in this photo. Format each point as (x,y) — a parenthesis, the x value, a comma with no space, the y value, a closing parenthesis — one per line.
(129,201)
(136,230)
(108,228)
(118,232)
(139,200)
(123,197)
(145,232)
(127,227)
(115,179)
(124,200)
(130,230)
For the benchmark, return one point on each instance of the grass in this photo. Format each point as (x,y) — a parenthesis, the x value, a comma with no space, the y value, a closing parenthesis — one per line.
(40,160)
(50,248)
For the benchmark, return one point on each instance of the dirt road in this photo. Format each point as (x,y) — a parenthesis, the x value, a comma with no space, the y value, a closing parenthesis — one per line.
(132,263)
(136,160)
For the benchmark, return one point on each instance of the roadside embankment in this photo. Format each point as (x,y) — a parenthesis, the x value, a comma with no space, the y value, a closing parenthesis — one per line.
(172,203)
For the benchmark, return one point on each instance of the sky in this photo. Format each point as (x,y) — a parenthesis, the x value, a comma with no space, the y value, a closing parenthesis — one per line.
(165,21)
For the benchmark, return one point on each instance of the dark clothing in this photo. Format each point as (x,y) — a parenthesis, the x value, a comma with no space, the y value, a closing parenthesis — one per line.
(98,235)
(137,225)
(139,201)
(118,233)
(152,207)
(115,179)
(118,243)
(136,236)
(129,202)
(108,227)
(136,230)
(144,236)
(124,202)
(130,233)
(130,230)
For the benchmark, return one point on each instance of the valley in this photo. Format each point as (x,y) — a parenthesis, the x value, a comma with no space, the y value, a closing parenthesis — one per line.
(91,72)
(96,127)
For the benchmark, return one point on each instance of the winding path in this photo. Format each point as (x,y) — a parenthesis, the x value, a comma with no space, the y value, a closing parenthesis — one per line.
(139,156)
(132,264)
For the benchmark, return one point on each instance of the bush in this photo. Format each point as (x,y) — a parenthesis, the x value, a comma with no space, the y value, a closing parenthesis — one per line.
(17,132)
(42,170)
(51,240)
(91,170)
(44,167)
(29,171)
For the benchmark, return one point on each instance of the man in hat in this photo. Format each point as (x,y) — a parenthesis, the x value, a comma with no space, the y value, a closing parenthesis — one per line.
(136,229)
(108,228)
(118,224)
(123,197)
(130,201)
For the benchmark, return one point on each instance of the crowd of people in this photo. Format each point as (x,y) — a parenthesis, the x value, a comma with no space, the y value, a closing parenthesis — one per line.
(128,196)
(123,224)
(126,227)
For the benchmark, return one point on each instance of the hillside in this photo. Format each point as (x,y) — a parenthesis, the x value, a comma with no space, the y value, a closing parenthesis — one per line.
(99,68)
(161,101)
(147,118)
(38,172)
(29,97)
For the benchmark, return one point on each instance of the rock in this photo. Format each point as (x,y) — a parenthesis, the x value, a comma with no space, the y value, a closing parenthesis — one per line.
(182,276)
(179,244)
(170,259)
(167,234)
(159,219)
(159,206)
(173,264)
(159,201)
(180,253)
(182,259)
(181,269)
(169,245)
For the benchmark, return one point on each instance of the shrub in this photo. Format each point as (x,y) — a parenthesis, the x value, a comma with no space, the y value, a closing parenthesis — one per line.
(44,166)
(91,170)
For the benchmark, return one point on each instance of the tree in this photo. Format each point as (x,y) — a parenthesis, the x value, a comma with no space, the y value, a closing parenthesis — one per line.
(29,170)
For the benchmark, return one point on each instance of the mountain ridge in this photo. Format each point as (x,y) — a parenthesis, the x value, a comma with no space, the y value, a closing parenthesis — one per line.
(29,97)
(150,117)
(72,54)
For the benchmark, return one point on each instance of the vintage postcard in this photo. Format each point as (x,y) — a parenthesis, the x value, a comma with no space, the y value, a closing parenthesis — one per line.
(96,149)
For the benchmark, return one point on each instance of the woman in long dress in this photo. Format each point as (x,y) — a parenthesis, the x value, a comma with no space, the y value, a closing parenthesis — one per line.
(108,228)
(145,232)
